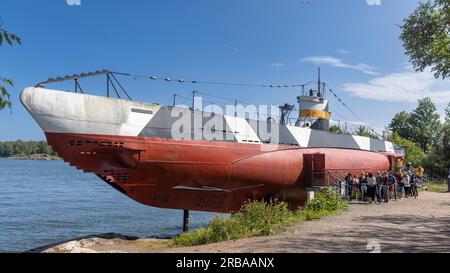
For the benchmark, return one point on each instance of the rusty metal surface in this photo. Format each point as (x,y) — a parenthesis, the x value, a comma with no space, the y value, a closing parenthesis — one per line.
(171,174)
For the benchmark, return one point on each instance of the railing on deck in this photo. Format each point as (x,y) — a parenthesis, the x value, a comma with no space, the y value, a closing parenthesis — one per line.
(333,179)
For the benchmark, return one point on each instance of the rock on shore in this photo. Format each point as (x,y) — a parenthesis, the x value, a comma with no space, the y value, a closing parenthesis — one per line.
(106,243)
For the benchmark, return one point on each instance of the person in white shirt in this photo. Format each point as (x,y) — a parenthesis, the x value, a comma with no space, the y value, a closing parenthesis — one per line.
(407,185)
(371,187)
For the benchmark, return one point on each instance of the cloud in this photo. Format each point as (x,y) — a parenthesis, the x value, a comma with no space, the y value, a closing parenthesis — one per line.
(73,2)
(373,2)
(407,86)
(233,48)
(329,60)
(343,51)
(278,65)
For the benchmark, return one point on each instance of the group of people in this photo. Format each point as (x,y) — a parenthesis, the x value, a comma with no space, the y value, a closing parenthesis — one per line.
(382,186)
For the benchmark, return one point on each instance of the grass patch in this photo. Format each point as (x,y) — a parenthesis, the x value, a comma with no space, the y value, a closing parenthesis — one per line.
(437,186)
(258,218)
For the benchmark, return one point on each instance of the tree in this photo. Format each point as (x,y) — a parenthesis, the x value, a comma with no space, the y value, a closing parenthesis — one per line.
(413,153)
(366,132)
(425,124)
(447,114)
(426,37)
(362,131)
(435,166)
(445,142)
(44,148)
(401,125)
(5,97)
(336,129)
(23,148)
(6,149)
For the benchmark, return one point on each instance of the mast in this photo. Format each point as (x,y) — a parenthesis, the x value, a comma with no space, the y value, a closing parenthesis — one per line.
(319,85)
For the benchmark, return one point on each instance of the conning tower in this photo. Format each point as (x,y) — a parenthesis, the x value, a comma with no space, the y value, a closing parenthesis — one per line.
(314,109)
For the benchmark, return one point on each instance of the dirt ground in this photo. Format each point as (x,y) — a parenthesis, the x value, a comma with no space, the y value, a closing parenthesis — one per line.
(408,225)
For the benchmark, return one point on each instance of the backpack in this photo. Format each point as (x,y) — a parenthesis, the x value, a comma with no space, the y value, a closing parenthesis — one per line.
(392,180)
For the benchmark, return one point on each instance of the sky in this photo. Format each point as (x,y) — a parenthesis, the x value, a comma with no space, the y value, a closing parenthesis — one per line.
(355,42)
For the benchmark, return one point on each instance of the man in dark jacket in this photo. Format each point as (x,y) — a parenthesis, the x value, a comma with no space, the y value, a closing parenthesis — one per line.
(348,185)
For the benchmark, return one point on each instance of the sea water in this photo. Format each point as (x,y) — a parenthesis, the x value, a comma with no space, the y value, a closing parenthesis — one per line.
(46,202)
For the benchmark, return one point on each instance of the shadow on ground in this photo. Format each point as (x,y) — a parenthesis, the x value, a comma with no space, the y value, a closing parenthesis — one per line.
(394,233)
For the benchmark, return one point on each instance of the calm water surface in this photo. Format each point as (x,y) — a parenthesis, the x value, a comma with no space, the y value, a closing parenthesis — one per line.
(44,202)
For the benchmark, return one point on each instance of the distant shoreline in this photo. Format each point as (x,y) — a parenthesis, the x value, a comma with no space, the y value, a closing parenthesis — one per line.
(37,157)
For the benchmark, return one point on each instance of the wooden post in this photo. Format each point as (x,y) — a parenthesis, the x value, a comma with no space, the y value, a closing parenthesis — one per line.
(186,221)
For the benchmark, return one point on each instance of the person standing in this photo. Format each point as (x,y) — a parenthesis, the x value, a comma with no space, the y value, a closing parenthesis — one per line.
(407,182)
(355,188)
(371,187)
(401,185)
(392,184)
(385,187)
(413,188)
(363,185)
(379,187)
(348,186)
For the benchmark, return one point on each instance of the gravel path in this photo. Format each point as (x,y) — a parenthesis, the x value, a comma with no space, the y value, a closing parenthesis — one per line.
(408,225)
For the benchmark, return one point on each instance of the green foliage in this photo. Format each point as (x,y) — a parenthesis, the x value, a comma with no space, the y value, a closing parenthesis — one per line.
(5,97)
(254,219)
(426,37)
(413,153)
(426,140)
(435,165)
(444,147)
(422,126)
(440,163)
(21,148)
(366,132)
(336,129)
(436,186)
(325,203)
(9,37)
(401,125)
(261,219)
(425,123)
(447,114)
(326,200)
(219,230)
